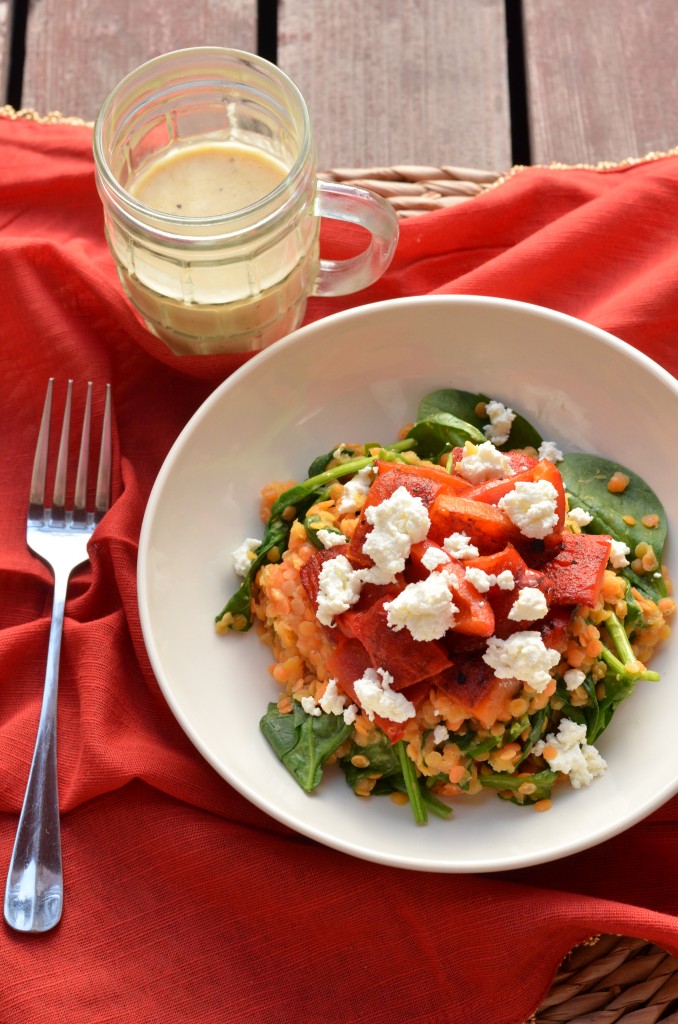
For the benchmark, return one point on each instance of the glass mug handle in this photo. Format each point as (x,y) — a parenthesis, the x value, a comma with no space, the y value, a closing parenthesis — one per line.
(357,206)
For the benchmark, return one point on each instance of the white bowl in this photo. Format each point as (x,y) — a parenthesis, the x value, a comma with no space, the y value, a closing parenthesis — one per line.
(360,374)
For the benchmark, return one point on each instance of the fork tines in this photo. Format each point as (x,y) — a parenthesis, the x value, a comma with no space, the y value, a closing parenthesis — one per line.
(57,514)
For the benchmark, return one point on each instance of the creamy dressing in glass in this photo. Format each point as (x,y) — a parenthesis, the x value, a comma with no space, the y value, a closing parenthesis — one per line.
(247,300)
(207,179)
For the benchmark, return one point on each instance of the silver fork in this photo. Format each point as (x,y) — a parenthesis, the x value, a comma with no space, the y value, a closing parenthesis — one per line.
(34,891)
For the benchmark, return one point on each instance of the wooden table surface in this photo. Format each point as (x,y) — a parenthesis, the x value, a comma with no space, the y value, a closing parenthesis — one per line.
(471,83)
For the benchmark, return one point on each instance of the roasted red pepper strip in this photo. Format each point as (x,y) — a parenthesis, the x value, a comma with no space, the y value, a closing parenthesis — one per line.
(489,528)
(349,663)
(407,660)
(503,600)
(472,685)
(577,569)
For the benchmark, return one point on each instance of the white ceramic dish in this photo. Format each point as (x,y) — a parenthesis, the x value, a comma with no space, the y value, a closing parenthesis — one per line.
(361,374)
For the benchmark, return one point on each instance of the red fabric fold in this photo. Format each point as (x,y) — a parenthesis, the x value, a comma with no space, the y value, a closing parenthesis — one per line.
(183,901)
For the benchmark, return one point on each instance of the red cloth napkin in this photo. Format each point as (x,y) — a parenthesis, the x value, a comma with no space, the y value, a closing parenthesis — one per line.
(183,901)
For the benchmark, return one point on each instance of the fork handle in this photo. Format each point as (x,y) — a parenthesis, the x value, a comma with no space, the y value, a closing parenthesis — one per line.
(34,891)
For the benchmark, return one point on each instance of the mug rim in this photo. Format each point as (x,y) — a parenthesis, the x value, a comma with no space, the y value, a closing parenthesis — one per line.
(131,205)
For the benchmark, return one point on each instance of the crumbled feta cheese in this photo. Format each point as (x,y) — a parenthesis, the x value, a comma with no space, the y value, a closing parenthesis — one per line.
(377,698)
(350,714)
(505,580)
(573,678)
(433,557)
(483,462)
(338,452)
(531,506)
(426,608)
(355,490)
(530,604)
(579,516)
(618,553)
(480,579)
(339,587)
(574,756)
(397,523)
(332,702)
(522,656)
(501,418)
(243,556)
(331,539)
(459,546)
(310,707)
(549,450)
(440,734)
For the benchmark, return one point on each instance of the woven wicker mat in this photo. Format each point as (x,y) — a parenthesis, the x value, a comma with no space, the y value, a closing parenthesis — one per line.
(610,978)
(411,190)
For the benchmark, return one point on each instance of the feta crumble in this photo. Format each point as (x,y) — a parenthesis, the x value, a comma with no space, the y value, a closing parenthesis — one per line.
(243,556)
(618,553)
(573,755)
(522,656)
(549,450)
(501,418)
(350,714)
(531,506)
(377,698)
(426,608)
(483,462)
(505,580)
(355,490)
(530,604)
(459,546)
(339,588)
(331,539)
(433,557)
(480,579)
(579,516)
(310,707)
(573,678)
(332,702)
(397,523)
(440,734)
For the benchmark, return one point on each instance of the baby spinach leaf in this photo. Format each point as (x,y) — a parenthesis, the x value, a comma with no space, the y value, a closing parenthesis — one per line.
(429,800)
(382,757)
(411,782)
(312,525)
(320,463)
(304,742)
(474,750)
(462,405)
(575,712)
(505,781)
(537,723)
(440,432)
(586,477)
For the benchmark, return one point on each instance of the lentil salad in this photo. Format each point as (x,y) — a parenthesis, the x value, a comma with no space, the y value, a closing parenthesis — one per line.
(462,610)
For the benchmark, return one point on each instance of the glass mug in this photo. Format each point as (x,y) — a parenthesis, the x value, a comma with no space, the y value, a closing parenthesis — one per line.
(206,168)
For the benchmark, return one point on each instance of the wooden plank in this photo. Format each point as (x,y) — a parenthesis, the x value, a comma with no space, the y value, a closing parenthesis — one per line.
(77,50)
(600,78)
(412,82)
(5,33)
